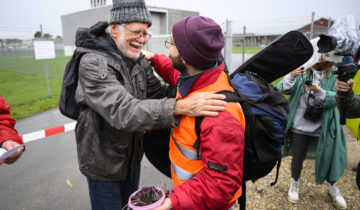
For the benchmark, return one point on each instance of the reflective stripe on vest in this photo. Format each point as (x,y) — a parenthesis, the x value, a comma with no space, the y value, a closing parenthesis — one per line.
(181,173)
(184,162)
(188,153)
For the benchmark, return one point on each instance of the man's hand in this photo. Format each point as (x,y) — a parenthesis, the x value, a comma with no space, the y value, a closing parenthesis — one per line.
(341,86)
(10,145)
(148,55)
(200,104)
(297,72)
(165,205)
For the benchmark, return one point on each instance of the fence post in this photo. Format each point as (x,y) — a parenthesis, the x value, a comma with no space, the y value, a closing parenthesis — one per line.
(35,63)
(47,76)
(312,25)
(22,57)
(228,45)
(3,48)
(244,45)
(14,57)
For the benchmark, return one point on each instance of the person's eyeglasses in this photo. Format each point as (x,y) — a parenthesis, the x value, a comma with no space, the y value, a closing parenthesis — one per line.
(138,33)
(168,43)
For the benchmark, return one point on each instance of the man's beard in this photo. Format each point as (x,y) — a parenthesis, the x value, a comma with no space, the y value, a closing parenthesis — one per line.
(120,45)
(178,64)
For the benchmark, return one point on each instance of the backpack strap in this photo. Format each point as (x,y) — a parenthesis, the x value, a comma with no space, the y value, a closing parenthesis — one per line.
(277,172)
(196,145)
(230,97)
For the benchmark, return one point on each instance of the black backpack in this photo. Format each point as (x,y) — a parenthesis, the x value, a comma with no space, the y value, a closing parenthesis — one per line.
(265,110)
(67,104)
(283,55)
(88,38)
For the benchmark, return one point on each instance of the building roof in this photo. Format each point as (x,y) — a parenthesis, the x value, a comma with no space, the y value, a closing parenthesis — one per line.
(319,25)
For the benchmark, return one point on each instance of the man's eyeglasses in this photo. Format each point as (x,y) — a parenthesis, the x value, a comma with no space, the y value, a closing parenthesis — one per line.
(138,33)
(168,43)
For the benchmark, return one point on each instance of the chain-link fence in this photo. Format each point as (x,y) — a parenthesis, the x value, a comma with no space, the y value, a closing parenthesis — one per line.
(19,56)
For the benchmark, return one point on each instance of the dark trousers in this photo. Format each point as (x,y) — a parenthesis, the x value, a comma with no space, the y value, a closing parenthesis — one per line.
(112,195)
(300,143)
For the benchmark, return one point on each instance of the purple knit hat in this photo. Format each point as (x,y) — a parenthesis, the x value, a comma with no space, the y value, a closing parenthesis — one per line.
(199,40)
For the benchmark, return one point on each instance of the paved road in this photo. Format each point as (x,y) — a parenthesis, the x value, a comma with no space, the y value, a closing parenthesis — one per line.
(38,180)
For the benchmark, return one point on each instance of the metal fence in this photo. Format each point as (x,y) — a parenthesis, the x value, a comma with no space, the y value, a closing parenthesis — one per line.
(19,57)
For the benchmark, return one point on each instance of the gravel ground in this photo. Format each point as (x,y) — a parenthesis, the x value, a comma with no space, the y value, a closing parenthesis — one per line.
(261,196)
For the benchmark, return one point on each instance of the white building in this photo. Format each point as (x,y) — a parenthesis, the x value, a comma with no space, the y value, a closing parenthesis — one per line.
(162,21)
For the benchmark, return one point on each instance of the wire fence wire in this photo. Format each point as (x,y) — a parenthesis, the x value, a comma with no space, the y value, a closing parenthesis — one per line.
(19,57)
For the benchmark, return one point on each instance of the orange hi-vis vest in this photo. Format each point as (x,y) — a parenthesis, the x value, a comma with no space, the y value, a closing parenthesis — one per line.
(185,162)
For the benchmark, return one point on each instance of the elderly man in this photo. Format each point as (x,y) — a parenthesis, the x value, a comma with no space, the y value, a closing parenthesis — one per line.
(116,93)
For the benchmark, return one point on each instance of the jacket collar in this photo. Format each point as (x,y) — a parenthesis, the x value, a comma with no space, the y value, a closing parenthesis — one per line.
(190,84)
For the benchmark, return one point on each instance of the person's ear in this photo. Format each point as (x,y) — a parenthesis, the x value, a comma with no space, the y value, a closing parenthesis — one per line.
(114,31)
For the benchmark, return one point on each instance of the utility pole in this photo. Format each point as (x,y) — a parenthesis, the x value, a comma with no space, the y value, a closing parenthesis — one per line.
(41,33)
(312,25)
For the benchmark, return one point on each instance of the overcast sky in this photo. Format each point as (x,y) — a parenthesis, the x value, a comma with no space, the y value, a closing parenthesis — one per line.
(22,18)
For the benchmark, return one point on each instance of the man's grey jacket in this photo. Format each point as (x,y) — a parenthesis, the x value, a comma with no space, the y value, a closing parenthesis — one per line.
(114,115)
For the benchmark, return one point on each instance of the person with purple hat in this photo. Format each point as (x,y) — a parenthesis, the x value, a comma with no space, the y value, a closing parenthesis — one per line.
(208,176)
(120,98)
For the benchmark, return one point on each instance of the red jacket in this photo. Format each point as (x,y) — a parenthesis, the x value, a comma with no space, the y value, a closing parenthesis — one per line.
(7,123)
(222,141)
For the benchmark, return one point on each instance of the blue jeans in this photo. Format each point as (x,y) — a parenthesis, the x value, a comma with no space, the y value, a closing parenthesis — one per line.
(112,195)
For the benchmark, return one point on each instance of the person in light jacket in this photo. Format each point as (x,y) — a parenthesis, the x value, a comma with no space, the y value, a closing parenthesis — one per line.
(312,92)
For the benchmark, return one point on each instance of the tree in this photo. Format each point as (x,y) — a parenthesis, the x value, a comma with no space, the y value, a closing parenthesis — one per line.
(58,37)
(47,36)
(37,34)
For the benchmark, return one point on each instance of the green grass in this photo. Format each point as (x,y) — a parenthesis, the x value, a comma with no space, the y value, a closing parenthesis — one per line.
(27,94)
(28,65)
(23,84)
(248,50)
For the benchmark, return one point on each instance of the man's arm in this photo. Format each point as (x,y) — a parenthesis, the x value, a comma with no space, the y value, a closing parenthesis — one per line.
(9,137)
(163,67)
(121,110)
(353,101)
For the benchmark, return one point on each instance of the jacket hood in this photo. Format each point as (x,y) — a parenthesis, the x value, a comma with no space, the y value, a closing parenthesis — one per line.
(95,38)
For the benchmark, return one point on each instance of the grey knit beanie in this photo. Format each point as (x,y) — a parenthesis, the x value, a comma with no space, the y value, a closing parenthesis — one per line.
(126,11)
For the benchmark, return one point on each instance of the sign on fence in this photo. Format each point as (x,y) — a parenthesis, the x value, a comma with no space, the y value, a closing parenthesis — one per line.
(44,50)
